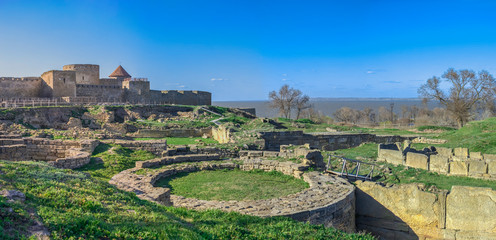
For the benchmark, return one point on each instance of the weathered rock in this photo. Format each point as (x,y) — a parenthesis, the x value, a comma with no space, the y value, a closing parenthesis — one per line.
(417,160)
(471,209)
(439,163)
(459,168)
(13,195)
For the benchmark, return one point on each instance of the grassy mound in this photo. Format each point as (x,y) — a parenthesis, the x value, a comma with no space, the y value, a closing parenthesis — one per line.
(74,205)
(233,185)
(478,136)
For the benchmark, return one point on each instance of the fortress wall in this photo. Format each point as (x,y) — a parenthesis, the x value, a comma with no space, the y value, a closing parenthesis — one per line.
(137,91)
(59,84)
(26,87)
(85,73)
(182,97)
(111,82)
(105,93)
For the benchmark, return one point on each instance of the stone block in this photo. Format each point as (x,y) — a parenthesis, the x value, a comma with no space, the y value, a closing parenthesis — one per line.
(489,157)
(439,164)
(461,152)
(447,152)
(458,168)
(476,156)
(477,168)
(471,209)
(417,160)
(491,169)
(391,156)
(460,159)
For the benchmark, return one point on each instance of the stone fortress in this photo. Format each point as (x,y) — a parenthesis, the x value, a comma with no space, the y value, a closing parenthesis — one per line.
(81,83)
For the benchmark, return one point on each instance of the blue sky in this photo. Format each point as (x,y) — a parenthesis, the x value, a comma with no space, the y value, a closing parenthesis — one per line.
(241,50)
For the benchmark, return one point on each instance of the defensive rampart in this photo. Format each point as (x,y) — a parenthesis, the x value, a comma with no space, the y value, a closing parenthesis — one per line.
(20,87)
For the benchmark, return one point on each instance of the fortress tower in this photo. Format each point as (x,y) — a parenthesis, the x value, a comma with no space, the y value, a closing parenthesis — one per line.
(120,74)
(85,73)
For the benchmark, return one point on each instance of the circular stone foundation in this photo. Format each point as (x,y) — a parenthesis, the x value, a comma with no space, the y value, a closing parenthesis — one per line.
(237,185)
(329,200)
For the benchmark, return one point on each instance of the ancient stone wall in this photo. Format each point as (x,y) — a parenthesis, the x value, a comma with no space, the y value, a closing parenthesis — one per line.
(410,212)
(62,154)
(102,92)
(458,161)
(157,147)
(111,82)
(59,84)
(329,200)
(26,87)
(323,141)
(85,73)
(182,97)
(149,133)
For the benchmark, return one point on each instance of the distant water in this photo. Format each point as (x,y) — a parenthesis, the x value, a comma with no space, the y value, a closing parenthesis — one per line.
(329,105)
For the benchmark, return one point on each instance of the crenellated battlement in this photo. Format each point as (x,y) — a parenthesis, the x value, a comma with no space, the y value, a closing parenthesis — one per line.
(20,79)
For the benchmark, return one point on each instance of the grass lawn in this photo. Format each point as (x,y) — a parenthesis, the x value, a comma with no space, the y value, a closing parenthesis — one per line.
(74,205)
(478,136)
(189,140)
(367,150)
(233,185)
(115,159)
(402,174)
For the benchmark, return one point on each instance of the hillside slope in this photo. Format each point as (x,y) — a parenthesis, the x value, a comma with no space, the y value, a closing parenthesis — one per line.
(73,205)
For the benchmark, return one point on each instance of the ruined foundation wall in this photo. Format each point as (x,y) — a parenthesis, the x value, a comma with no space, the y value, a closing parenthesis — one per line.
(323,141)
(410,212)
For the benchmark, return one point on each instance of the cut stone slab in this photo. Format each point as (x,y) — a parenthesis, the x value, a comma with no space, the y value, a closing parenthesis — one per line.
(458,168)
(417,160)
(439,163)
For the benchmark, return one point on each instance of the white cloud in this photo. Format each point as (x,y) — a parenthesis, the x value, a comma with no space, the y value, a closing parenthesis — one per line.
(218,79)
(284,79)
(370,72)
(181,86)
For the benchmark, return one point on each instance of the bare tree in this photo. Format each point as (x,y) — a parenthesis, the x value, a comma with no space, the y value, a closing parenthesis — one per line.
(286,99)
(466,90)
(347,115)
(301,104)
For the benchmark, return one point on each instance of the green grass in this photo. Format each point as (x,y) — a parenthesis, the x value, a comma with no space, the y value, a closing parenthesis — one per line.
(115,161)
(73,205)
(424,128)
(367,150)
(402,175)
(233,185)
(478,136)
(189,141)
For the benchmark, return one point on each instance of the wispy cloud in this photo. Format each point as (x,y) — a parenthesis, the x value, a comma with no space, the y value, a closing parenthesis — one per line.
(181,86)
(284,79)
(218,79)
(392,82)
(374,71)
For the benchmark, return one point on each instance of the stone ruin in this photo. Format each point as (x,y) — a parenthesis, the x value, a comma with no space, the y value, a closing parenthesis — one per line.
(451,161)
(329,200)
